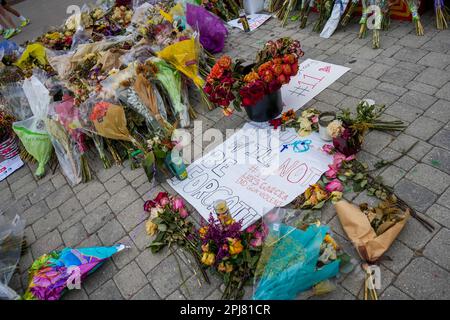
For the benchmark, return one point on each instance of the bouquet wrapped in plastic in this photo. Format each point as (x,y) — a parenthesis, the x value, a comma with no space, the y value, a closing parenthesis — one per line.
(32,132)
(296,258)
(51,275)
(212,31)
(11,240)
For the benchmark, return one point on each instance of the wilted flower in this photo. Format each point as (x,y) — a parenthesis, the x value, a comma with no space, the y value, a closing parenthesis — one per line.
(236,246)
(202,231)
(225,267)
(183,213)
(335,128)
(334,185)
(177,203)
(305,127)
(208,258)
(328,148)
(151,227)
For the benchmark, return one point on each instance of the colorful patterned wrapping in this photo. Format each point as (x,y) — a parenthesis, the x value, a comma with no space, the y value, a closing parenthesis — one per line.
(51,274)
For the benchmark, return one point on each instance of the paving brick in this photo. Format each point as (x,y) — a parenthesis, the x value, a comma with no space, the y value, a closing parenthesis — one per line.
(90,193)
(111,232)
(108,291)
(424,280)
(148,260)
(132,215)
(438,158)
(69,207)
(95,280)
(41,192)
(410,54)
(416,196)
(139,236)
(130,279)
(51,241)
(417,99)
(58,197)
(75,294)
(392,293)
(429,177)
(97,218)
(97,202)
(421,87)
(439,214)
(196,288)
(166,277)
(104,175)
(47,223)
(444,92)
(392,175)
(399,254)
(435,59)
(125,256)
(437,249)
(146,293)
(74,235)
(35,212)
(70,221)
(436,46)
(412,41)
(424,128)
(391,88)
(375,141)
(442,139)
(91,241)
(176,295)
(398,76)
(115,184)
(125,197)
(434,77)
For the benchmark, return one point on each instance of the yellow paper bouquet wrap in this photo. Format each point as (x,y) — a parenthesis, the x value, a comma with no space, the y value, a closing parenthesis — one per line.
(110,122)
(183,56)
(34,52)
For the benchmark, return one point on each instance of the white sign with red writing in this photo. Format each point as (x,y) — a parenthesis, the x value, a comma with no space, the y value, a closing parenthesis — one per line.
(255,170)
(7,167)
(313,77)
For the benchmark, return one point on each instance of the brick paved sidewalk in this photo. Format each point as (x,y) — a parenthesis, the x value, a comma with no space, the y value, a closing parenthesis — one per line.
(410,74)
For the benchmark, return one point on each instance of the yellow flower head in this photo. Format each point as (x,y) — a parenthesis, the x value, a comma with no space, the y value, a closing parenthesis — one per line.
(208,258)
(151,227)
(252,76)
(236,246)
(205,247)
(225,267)
(202,231)
(329,239)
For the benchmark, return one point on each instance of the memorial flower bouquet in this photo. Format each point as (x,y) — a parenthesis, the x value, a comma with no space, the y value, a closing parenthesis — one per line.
(169,225)
(230,82)
(232,252)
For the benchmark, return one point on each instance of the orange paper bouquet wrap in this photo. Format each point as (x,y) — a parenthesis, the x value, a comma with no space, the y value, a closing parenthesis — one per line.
(369,245)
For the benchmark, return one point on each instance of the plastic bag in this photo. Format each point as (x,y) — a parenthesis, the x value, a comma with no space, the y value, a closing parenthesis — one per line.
(64,127)
(34,53)
(211,28)
(170,79)
(15,101)
(32,131)
(297,254)
(11,237)
(11,50)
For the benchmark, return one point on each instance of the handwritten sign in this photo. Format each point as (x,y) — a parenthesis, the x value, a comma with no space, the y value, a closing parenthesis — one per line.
(313,77)
(254,21)
(8,166)
(251,173)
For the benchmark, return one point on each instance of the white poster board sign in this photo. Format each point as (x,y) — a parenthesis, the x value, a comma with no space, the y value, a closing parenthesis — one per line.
(255,170)
(8,166)
(313,77)
(254,21)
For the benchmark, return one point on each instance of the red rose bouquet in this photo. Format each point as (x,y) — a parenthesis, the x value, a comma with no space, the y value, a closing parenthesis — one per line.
(231,82)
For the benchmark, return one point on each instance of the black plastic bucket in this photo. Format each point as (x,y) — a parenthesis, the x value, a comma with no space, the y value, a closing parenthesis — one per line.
(266,109)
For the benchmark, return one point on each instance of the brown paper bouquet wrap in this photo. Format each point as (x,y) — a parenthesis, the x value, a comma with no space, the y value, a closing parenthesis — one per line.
(356,225)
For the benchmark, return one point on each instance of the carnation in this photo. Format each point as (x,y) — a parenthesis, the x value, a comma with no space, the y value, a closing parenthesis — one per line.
(335,128)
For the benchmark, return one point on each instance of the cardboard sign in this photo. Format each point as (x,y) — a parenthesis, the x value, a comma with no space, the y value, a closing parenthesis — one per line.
(254,21)
(313,77)
(255,170)
(8,166)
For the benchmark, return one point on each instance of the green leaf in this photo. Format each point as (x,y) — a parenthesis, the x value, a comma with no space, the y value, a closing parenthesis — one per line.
(319,205)
(162,227)
(359,176)
(364,183)
(342,177)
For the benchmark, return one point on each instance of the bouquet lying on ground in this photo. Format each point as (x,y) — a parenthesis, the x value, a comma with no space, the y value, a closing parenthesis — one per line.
(233,253)
(372,230)
(231,82)
(296,257)
(53,274)
(169,224)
